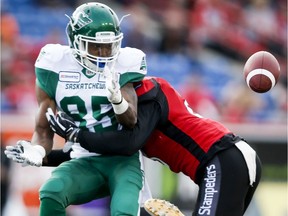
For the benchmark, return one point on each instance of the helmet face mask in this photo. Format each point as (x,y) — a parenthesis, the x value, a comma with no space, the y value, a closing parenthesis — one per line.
(94,35)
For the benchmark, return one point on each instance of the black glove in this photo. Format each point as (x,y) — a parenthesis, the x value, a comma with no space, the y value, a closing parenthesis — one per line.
(63,125)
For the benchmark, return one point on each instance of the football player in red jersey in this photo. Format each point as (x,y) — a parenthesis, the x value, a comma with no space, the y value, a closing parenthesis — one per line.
(226,169)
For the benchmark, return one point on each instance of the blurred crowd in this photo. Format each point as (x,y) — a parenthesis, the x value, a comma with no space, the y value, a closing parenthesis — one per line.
(176,35)
(200,46)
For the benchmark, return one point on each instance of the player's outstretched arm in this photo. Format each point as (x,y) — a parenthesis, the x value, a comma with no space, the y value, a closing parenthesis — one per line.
(56,157)
(123,142)
(26,154)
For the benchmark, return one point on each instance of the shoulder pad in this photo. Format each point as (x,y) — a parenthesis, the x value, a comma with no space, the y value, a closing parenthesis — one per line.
(130,57)
(50,55)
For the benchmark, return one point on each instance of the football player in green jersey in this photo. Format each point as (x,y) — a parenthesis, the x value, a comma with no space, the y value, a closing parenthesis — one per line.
(90,80)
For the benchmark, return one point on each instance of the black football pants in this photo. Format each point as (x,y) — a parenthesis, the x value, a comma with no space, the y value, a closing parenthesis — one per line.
(225,189)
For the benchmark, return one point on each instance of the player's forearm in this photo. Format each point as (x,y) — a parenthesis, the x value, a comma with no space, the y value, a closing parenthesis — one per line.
(115,143)
(129,118)
(44,138)
(126,110)
(43,135)
(56,157)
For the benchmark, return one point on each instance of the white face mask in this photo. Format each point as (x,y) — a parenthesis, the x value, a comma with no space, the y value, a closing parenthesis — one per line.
(95,52)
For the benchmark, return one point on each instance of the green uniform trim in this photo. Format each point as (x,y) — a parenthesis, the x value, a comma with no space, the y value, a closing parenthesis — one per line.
(130,77)
(47,80)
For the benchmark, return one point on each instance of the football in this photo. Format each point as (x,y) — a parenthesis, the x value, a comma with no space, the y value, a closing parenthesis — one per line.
(261,71)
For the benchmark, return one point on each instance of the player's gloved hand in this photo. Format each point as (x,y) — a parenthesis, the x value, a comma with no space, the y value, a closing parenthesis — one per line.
(112,85)
(64,126)
(25,153)
(114,95)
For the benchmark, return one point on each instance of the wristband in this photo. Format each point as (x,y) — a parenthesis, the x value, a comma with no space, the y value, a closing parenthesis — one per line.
(40,149)
(121,107)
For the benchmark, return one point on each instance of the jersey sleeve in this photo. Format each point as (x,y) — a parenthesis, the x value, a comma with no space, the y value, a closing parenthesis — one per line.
(125,141)
(47,81)
(46,77)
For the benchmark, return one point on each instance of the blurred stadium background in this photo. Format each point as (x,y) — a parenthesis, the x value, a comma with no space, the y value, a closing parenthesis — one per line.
(199,46)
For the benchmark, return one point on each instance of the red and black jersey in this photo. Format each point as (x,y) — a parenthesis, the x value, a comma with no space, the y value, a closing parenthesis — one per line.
(183,139)
(167,130)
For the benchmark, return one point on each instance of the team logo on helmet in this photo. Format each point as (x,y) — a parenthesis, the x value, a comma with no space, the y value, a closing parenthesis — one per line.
(80,20)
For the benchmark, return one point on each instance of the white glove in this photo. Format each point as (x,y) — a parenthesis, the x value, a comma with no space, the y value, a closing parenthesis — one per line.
(113,87)
(114,95)
(25,153)
(13,153)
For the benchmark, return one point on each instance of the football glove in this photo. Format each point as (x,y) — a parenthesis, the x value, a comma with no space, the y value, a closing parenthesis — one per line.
(25,153)
(64,126)
(157,207)
(114,95)
(113,87)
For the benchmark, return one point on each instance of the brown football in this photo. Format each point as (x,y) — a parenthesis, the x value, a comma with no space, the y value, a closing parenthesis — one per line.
(261,71)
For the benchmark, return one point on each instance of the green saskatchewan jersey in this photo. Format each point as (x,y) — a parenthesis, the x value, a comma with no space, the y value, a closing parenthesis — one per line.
(80,93)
